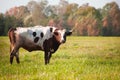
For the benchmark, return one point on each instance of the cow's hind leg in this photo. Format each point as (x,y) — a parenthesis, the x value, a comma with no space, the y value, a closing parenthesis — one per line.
(11,56)
(17,57)
(13,53)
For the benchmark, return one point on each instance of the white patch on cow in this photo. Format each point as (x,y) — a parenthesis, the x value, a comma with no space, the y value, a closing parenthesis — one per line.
(28,33)
(52,50)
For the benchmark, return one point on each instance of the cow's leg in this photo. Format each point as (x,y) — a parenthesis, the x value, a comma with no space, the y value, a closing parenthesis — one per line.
(17,57)
(46,57)
(49,55)
(11,56)
(13,53)
(10,48)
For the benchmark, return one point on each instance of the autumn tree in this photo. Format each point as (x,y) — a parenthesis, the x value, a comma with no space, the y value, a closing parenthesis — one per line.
(87,19)
(111,19)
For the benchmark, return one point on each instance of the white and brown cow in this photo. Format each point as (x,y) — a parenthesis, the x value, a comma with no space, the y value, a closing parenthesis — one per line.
(47,39)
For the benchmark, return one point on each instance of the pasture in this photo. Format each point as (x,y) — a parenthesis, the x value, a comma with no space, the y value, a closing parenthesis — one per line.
(80,58)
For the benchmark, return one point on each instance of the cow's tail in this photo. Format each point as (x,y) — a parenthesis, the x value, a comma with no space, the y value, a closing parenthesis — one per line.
(12,38)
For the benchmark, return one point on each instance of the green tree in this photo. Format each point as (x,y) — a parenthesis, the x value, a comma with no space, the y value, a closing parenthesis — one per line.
(37,13)
(2,20)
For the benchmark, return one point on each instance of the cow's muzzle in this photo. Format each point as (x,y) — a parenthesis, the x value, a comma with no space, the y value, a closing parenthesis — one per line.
(63,41)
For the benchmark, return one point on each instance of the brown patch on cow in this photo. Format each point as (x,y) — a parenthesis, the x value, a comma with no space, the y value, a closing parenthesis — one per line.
(41,34)
(53,44)
(29,45)
(57,35)
(34,34)
(36,39)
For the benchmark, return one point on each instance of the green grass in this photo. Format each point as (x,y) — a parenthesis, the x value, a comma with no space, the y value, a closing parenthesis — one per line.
(80,58)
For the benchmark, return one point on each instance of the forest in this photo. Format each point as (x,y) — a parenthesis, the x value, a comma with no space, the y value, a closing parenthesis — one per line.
(84,19)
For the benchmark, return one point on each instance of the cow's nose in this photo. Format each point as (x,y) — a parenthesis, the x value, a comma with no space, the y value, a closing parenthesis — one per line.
(63,41)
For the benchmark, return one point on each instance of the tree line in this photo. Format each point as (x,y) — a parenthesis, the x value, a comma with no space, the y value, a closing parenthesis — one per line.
(86,20)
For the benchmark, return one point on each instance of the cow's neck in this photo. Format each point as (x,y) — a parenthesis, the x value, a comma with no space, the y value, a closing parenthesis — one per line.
(51,45)
(56,44)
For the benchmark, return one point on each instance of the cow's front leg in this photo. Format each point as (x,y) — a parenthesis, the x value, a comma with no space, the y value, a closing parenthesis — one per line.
(46,58)
(49,56)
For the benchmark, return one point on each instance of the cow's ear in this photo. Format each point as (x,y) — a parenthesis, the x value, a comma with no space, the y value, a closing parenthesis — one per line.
(68,33)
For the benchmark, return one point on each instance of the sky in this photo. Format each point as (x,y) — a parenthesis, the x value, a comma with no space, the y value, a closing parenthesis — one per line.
(7,4)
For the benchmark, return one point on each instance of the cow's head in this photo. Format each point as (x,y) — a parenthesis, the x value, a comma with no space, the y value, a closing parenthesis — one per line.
(60,35)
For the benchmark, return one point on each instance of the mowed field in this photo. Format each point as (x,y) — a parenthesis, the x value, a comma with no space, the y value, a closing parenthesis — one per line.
(80,58)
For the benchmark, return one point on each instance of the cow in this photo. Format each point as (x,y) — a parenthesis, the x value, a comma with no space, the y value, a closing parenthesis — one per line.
(47,39)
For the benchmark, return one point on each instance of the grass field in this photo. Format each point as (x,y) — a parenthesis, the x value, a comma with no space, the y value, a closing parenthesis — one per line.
(80,58)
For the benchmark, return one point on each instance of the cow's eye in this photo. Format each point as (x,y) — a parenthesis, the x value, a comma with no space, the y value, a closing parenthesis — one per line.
(56,33)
